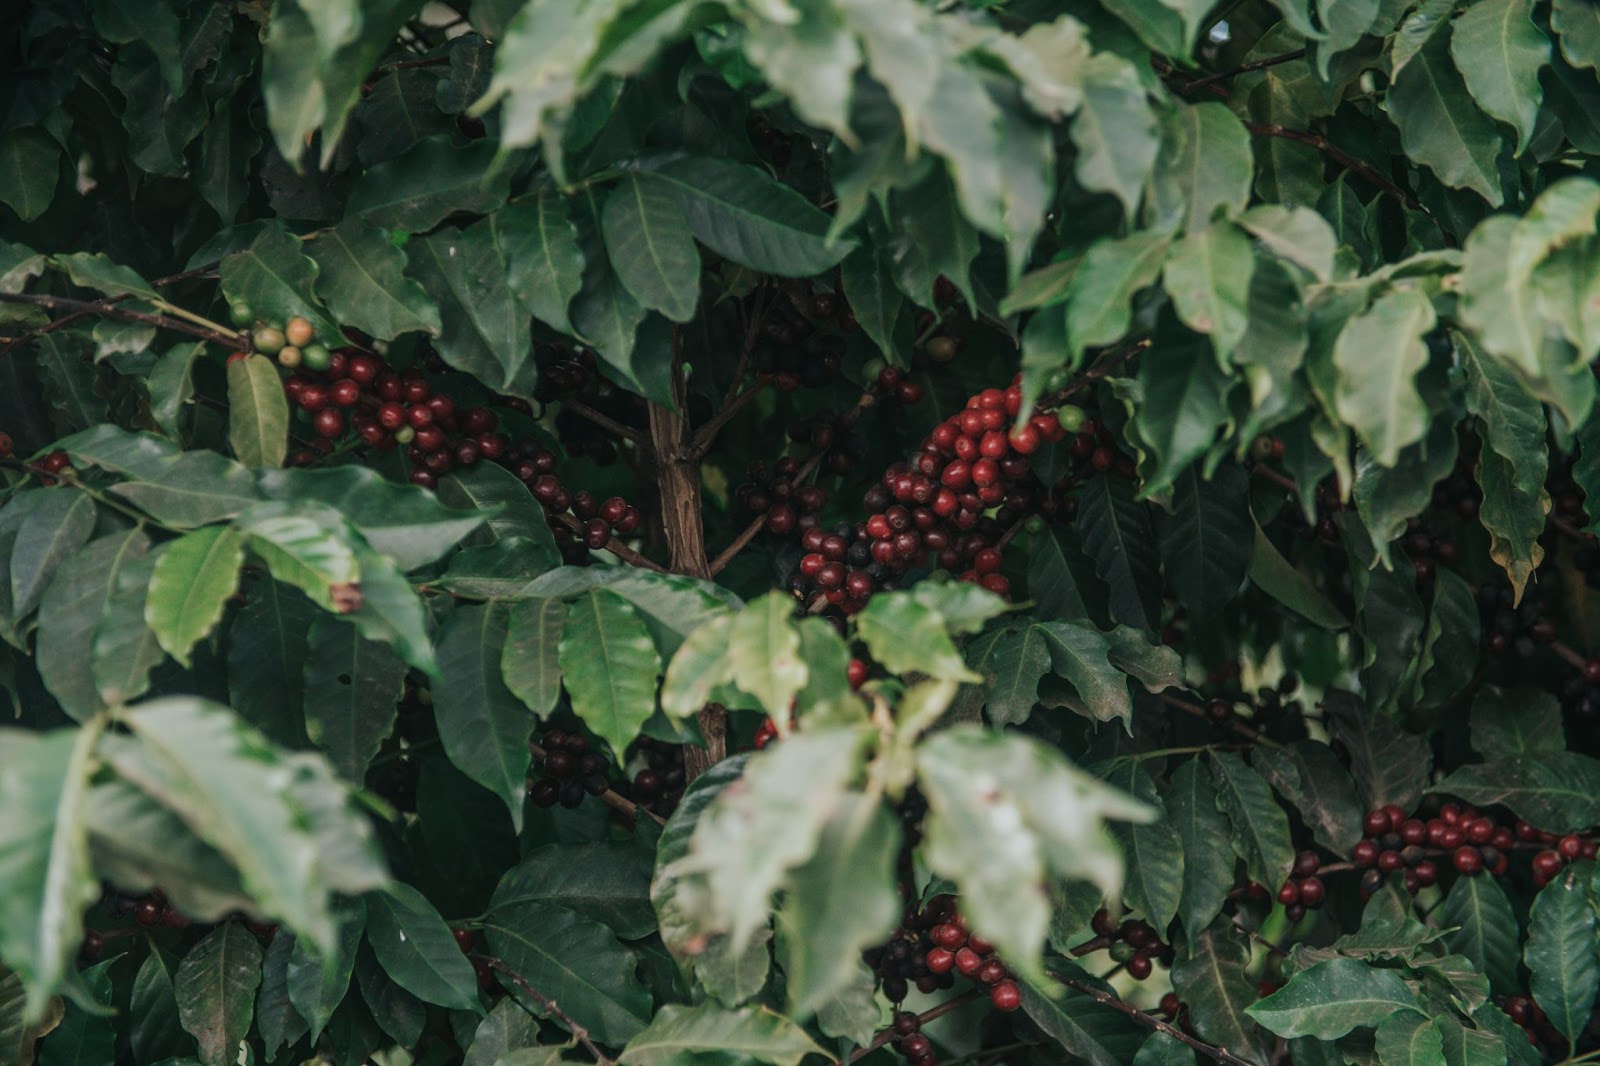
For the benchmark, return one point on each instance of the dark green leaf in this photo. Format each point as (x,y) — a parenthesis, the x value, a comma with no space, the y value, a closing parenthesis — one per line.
(650,247)
(486,331)
(216,987)
(1260,830)
(608,882)
(429,183)
(1564,972)
(484,727)
(1441,127)
(1329,999)
(361,277)
(1117,535)
(417,950)
(352,687)
(1210,977)
(1557,791)
(1484,928)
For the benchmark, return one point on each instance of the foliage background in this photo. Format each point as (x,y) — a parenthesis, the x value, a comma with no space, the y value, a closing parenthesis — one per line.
(1323,273)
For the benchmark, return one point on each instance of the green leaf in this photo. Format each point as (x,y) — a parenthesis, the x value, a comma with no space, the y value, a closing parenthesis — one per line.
(1578,27)
(1440,126)
(749,837)
(1387,497)
(407,523)
(542,255)
(99,271)
(352,689)
(46,880)
(576,962)
(1207,273)
(397,1012)
(867,282)
(650,247)
(1114,130)
(507,1030)
(1210,978)
(1086,1029)
(252,803)
(1184,403)
(1207,869)
(192,489)
(1117,535)
(319,981)
(1113,271)
(30,166)
(216,987)
(1309,775)
(1558,792)
(72,609)
(811,57)
(1409,1037)
(190,587)
(435,179)
(905,635)
(484,728)
(1469,1047)
(1518,721)
(1297,234)
(485,331)
(361,277)
(48,536)
(304,544)
(1082,656)
(276,1019)
(1277,577)
(317,56)
(1006,810)
(933,239)
(607,881)
(390,611)
(531,662)
(137,844)
(838,903)
(743,215)
(156,1032)
(1153,851)
(1204,167)
(85,1035)
(416,949)
(267,648)
(258,412)
(1483,928)
(274,277)
(1013,666)
(1389,764)
(1499,52)
(750,1032)
(1206,540)
(1563,969)
(1378,354)
(1331,998)
(764,652)
(1260,830)
(609,666)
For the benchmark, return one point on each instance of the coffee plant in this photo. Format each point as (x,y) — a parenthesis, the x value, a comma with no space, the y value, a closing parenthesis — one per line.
(667,532)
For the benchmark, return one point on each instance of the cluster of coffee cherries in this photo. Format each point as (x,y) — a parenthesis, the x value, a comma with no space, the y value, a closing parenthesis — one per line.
(1472,841)
(1095,446)
(935,506)
(570,771)
(1516,629)
(1135,944)
(1303,890)
(773,493)
(658,784)
(467,940)
(1326,504)
(932,947)
(50,464)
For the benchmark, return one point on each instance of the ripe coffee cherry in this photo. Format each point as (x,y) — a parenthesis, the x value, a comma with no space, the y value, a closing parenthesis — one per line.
(1139,966)
(328,423)
(1312,892)
(1547,864)
(1376,823)
(1570,846)
(968,962)
(597,533)
(465,938)
(344,393)
(856,673)
(940,960)
(391,416)
(419,415)
(148,912)
(992,971)
(1006,996)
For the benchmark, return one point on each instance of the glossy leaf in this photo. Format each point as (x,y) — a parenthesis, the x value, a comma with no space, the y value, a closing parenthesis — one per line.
(609,666)
(361,277)
(1329,999)
(416,949)
(1260,830)
(1207,869)
(1441,127)
(258,413)
(1485,928)
(753,1032)
(1498,50)
(650,246)
(352,687)
(1210,977)
(1563,969)
(1556,791)
(216,986)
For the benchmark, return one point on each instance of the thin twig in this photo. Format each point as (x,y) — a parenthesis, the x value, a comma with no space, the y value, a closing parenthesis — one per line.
(614,546)
(578,1032)
(1243,68)
(1356,166)
(605,422)
(1150,1021)
(932,1013)
(67,320)
(111,310)
(1254,736)
(1100,371)
(615,800)
(703,437)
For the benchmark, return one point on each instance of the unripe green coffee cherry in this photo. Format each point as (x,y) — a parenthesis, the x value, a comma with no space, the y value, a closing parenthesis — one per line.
(241,314)
(1071,418)
(316,357)
(268,340)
